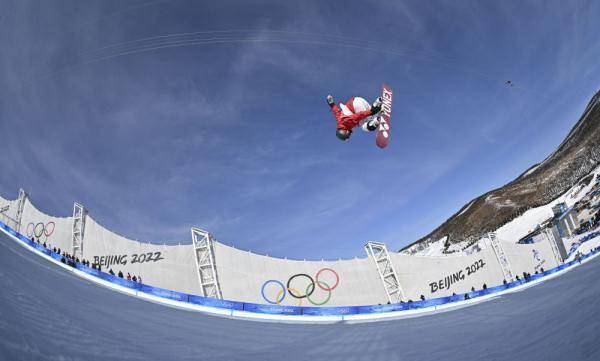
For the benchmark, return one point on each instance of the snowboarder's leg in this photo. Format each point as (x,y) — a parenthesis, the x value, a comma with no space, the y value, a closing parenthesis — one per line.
(376,107)
(351,121)
(370,124)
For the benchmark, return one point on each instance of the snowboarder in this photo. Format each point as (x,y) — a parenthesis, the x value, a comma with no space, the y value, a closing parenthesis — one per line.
(356,111)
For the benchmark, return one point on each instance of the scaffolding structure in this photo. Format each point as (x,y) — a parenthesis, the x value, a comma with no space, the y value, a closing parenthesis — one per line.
(387,273)
(20,205)
(501,256)
(204,255)
(79,215)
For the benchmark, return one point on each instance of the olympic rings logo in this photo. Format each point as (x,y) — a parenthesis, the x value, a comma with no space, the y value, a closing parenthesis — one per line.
(312,285)
(39,229)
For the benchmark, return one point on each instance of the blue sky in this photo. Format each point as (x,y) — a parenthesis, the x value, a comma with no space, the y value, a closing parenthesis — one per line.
(161,115)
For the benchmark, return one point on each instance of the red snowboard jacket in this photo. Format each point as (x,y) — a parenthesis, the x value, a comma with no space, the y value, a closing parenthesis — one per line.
(348,122)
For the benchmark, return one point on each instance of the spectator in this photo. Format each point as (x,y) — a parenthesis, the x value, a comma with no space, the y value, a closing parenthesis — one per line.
(140,279)
(44,244)
(484,286)
(120,274)
(77,260)
(422,298)
(472,289)
(134,278)
(99,267)
(467,296)
(517,277)
(111,272)
(504,282)
(54,249)
(62,259)
(128,277)
(93,266)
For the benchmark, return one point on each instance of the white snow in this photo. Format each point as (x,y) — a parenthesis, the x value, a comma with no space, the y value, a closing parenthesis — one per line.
(466,208)
(582,248)
(514,230)
(528,221)
(433,249)
(531,170)
(436,249)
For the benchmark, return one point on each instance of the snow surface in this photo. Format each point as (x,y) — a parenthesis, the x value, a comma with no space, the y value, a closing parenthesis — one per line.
(432,249)
(528,221)
(463,247)
(466,208)
(574,245)
(47,313)
(516,229)
(531,170)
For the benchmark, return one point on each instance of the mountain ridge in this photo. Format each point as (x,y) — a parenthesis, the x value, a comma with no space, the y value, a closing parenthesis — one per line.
(574,158)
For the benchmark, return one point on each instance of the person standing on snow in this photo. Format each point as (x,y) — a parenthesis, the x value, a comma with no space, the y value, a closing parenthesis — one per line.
(356,111)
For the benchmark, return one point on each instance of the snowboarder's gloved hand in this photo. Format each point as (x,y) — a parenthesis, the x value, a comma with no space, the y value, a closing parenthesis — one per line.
(376,107)
(330,101)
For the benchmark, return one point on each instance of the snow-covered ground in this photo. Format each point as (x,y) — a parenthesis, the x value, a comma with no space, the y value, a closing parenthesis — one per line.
(466,208)
(528,221)
(531,170)
(433,249)
(518,227)
(47,314)
(579,244)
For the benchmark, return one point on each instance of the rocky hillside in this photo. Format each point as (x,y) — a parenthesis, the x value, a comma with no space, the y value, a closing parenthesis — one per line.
(574,158)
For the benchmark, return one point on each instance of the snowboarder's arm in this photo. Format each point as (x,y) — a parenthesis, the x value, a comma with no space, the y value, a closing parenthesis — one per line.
(337,112)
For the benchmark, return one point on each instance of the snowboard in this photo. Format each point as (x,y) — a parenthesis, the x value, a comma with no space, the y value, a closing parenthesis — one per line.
(383,132)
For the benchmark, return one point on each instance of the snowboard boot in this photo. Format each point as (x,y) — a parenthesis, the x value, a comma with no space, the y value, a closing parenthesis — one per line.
(330,101)
(376,107)
(373,124)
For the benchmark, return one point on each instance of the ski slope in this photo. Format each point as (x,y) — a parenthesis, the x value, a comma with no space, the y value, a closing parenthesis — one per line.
(47,313)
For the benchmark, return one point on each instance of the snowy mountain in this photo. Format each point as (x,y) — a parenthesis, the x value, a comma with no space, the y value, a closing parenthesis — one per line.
(570,164)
